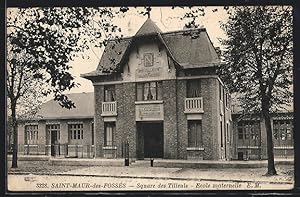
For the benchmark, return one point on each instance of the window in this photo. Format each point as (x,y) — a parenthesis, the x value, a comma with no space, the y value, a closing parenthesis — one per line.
(240,133)
(109,93)
(282,132)
(109,130)
(195,133)
(248,132)
(31,134)
(193,88)
(75,133)
(148,91)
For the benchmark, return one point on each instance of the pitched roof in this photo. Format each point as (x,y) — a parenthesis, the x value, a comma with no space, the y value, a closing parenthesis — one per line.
(190,48)
(84,103)
(148,27)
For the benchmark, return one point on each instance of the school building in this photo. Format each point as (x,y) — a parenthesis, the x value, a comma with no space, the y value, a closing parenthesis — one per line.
(159,94)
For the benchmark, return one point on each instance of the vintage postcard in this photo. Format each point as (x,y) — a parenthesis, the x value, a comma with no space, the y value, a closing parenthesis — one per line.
(150,98)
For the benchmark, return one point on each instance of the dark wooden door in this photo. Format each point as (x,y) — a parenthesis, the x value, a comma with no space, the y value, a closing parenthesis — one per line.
(153,140)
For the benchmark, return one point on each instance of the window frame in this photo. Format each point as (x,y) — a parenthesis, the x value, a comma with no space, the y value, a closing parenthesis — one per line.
(109,91)
(193,87)
(112,127)
(283,132)
(31,134)
(75,133)
(141,87)
(248,129)
(196,127)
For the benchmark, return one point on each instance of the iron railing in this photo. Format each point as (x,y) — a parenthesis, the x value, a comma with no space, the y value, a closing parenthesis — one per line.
(123,151)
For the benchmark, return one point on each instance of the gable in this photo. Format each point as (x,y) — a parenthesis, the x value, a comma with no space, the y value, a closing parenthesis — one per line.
(188,48)
(147,60)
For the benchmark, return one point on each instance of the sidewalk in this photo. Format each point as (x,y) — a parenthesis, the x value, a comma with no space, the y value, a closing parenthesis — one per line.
(285,173)
(142,169)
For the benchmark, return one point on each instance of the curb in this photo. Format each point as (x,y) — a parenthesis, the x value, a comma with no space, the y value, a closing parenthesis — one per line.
(147,177)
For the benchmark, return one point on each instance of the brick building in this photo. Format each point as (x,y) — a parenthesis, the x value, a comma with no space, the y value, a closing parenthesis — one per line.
(160,93)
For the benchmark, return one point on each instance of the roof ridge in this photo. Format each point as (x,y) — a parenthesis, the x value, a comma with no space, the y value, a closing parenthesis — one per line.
(162,33)
(79,93)
(184,30)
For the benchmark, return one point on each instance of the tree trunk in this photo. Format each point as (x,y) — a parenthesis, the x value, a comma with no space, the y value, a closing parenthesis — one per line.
(270,152)
(15,136)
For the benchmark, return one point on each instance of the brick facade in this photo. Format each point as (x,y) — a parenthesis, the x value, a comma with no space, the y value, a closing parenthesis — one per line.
(98,120)
(175,120)
(170,119)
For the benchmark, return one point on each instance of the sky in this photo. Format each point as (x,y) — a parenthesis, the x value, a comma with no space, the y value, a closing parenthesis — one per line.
(165,18)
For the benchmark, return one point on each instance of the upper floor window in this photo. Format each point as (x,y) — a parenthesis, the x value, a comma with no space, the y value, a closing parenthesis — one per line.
(31,134)
(109,93)
(193,88)
(148,91)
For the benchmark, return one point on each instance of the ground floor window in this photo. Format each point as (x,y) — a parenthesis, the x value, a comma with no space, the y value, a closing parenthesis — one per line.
(75,133)
(282,131)
(31,134)
(249,132)
(195,133)
(109,130)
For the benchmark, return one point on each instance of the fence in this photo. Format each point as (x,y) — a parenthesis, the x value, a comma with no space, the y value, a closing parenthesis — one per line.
(89,151)
(260,152)
(58,150)
(75,150)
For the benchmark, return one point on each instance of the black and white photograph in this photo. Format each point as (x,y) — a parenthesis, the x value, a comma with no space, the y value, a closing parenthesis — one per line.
(149,98)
